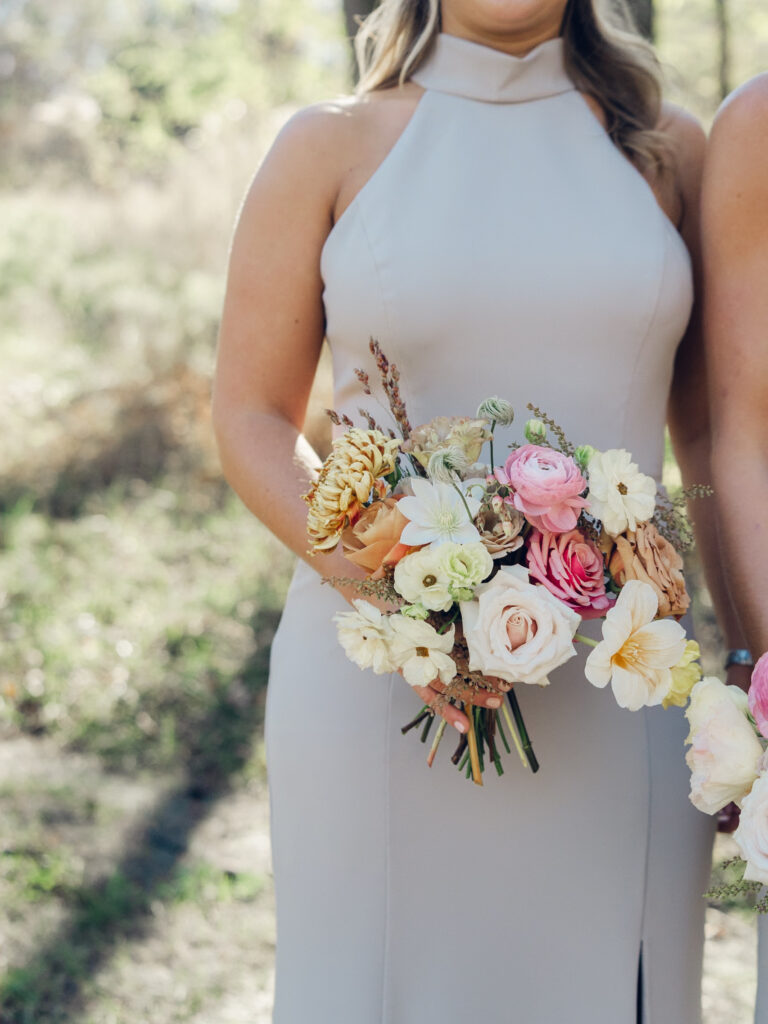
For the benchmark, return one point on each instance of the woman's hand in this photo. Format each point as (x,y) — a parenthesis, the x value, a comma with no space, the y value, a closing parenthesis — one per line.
(434,696)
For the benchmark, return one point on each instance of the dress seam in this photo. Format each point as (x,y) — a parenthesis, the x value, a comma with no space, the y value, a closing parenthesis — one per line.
(643,944)
(649,324)
(387,852)
(385,304)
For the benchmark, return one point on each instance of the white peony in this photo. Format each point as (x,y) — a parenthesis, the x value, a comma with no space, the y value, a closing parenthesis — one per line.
(517,630)
(437,514)
(421,579)
(636,654)
(725,753)
(752,834)
(420,652)
(465,565)
(619,494)
(366,636)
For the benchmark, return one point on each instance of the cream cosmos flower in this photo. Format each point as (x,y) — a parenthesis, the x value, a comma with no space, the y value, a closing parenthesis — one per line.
(619,494)
(636,654)
(366,636)
(437,515)
(421,653)
(421,579)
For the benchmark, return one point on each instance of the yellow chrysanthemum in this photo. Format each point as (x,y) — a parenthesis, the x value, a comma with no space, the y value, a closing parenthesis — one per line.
(351,472)
(685,674)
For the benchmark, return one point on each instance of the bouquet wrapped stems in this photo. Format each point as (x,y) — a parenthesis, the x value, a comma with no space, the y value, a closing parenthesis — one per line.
(485,728)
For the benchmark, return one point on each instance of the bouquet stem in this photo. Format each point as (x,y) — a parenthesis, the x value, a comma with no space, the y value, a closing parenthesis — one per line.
(474,757)
(515,737)
(520,723)
(436,742)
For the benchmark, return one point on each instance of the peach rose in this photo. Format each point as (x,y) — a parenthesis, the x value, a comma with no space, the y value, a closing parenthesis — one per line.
(374,540)
(647,556)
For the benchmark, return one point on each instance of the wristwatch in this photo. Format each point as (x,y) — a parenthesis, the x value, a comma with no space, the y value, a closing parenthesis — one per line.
(739,656)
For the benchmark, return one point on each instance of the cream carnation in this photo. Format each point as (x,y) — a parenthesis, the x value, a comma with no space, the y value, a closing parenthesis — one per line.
(420,652)
(636,654)
(619,494)
(421,579)
(366,636)
(517,630)
(725,753)
(752,834)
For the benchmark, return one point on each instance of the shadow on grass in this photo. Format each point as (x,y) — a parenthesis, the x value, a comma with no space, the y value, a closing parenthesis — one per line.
(48,989)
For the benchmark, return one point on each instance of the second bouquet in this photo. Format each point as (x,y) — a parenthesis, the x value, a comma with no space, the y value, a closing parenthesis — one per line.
(480,573)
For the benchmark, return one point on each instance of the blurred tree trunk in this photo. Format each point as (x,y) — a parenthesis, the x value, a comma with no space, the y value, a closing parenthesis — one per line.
(723,47)
(642,11)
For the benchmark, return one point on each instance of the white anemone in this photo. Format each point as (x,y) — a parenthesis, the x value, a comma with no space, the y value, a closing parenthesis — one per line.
(437,514)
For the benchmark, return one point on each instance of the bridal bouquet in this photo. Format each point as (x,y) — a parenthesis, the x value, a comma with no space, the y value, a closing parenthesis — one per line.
(483,572)
(729,764)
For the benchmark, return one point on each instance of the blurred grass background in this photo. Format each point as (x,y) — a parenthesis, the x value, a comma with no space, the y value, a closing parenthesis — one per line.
(137,597)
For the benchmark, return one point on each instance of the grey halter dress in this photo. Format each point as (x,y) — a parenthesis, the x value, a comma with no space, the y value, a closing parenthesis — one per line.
(504,246)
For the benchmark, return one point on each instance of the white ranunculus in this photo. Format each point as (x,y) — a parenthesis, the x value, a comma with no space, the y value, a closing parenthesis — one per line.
(752,834)
(437,514)
(421,579)
(725,753)
(637,654)
(465,565)
(517,630)
(366,636)
(619,494)
(420,652)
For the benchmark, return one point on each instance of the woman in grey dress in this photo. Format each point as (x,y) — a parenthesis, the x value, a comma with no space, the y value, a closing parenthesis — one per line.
(508,209)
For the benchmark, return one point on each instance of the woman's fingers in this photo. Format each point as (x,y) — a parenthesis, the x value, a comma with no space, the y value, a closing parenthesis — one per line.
(480,698)
(451,714)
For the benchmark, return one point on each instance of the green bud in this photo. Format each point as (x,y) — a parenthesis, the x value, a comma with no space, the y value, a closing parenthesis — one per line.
(583,454)
(462,594)
(535,432)
(497,410)
(415,611)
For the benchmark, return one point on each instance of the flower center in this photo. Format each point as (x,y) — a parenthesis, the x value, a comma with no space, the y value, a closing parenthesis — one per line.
(423,652)
(446,519)
(429,581)
(623,489)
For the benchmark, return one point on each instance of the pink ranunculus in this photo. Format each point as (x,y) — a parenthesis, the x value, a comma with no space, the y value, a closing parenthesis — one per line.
(758,694)
(546,485)
(571,567)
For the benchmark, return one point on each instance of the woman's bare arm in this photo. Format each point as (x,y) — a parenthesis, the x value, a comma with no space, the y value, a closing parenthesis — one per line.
(689,419)
(735,234)
(273,326)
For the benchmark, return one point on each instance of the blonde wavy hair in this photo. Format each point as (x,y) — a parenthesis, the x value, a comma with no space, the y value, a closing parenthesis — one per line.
(604,55)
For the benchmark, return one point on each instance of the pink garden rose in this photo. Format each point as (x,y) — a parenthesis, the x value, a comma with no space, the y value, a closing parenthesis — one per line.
(571,567)
(758,694)
(547,486)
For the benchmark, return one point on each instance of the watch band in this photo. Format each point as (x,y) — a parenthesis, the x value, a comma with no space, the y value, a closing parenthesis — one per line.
(739,656)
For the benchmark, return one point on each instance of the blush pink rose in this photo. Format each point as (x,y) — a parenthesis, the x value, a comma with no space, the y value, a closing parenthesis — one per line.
(546,485)
(571,567)
(758,694)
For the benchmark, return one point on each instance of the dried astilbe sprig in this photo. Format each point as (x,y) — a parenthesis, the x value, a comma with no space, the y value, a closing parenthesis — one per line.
(390,382)
(340,420)
(365,381)
(671,516)
(563,444)
(383,588)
